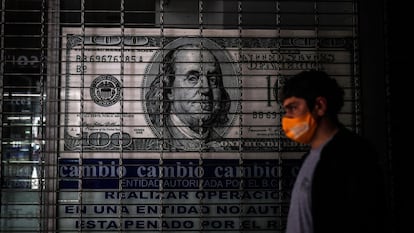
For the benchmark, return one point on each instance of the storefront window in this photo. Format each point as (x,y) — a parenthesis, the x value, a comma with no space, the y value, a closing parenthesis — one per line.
(98,133)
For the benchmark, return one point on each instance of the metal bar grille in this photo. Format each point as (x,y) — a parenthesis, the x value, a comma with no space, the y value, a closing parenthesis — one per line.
(99,129)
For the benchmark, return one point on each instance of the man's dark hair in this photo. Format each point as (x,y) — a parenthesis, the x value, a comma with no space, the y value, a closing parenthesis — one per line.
(311,84)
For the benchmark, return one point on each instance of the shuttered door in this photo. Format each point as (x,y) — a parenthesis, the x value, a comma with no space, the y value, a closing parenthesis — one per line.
(159,116)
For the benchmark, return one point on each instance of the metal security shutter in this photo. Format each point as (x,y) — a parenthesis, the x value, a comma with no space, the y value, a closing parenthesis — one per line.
(99,135)
(23,71)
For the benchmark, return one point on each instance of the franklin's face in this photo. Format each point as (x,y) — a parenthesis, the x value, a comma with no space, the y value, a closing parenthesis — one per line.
(195,93)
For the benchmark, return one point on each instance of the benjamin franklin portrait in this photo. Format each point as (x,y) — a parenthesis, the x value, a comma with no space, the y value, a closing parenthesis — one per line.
(191,96)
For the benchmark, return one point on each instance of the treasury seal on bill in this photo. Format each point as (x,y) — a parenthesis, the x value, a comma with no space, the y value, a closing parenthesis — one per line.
(191,95)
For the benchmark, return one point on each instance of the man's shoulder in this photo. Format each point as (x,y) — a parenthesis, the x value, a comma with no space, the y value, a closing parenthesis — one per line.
(348,144)
(346,136)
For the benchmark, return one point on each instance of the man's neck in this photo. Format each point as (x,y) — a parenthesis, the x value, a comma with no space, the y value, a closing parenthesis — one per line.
(325,131)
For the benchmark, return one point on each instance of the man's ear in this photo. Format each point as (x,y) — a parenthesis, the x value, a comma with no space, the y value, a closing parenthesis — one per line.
(321,104)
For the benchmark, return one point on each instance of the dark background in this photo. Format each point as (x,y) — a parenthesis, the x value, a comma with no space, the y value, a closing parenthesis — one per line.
(399,47)
(399,33)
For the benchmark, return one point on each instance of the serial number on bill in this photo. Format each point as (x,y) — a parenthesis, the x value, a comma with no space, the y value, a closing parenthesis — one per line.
(108,58)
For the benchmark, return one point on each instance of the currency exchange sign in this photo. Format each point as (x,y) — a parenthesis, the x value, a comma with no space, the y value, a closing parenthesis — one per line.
(180,129)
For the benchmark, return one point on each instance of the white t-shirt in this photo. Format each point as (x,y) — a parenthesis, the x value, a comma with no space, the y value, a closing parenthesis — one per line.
(300,210)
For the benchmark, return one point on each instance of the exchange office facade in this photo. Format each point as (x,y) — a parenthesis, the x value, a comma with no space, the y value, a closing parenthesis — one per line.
(89,139)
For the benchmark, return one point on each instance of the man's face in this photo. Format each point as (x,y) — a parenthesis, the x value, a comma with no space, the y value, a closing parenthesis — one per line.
(195,93)
(295,107)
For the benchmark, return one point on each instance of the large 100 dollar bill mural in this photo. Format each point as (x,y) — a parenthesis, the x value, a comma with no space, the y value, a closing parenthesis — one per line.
(180,129)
